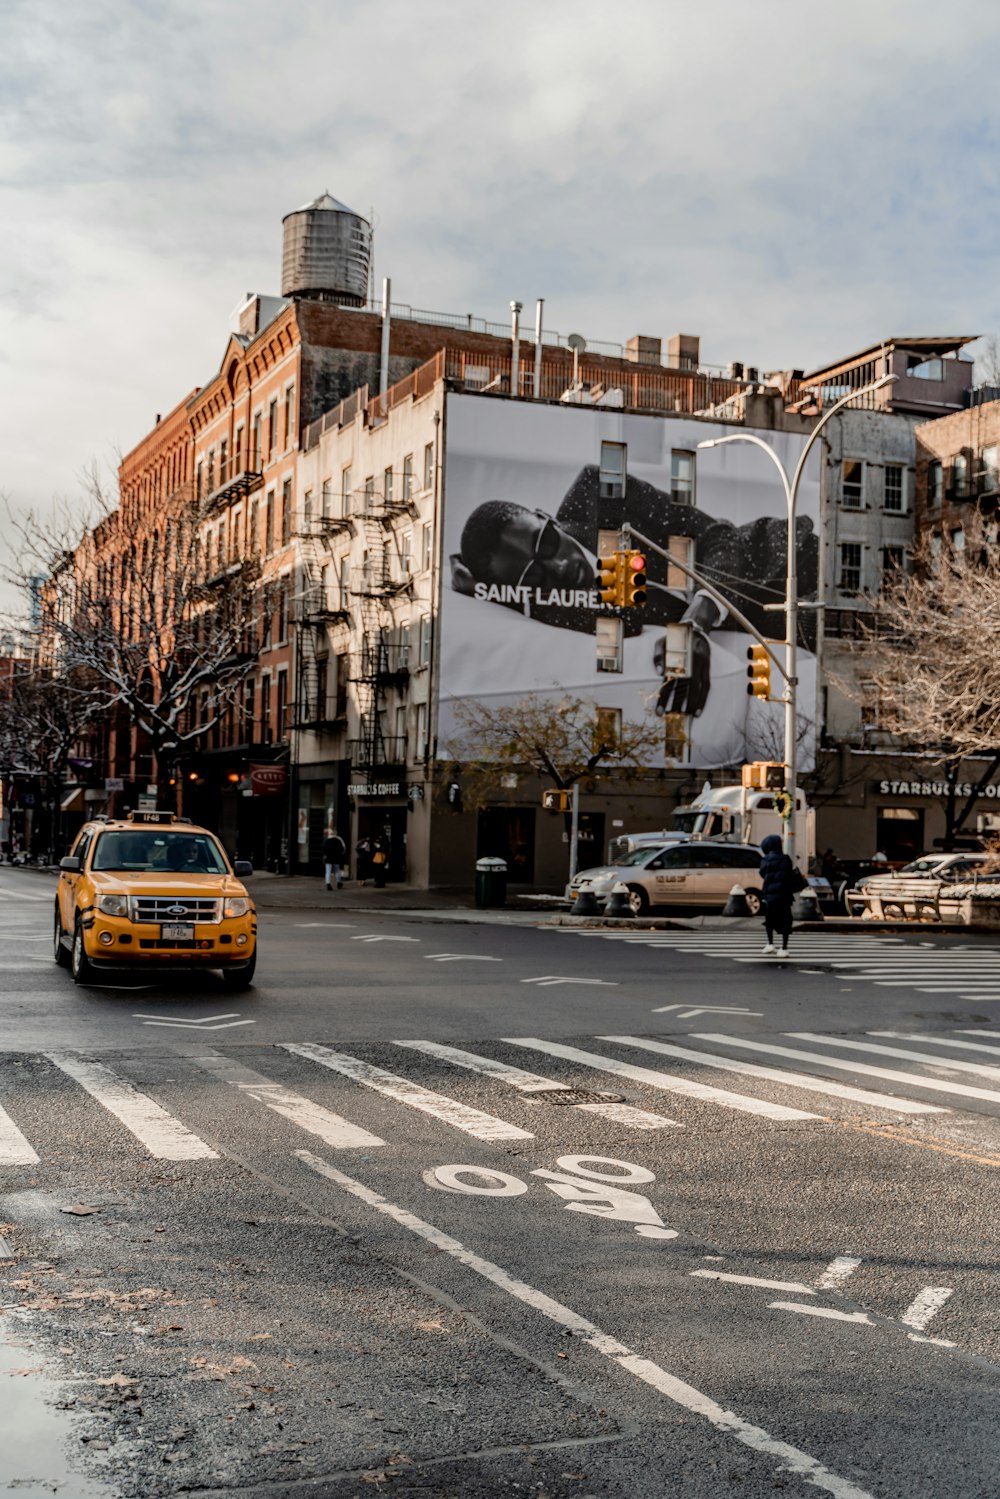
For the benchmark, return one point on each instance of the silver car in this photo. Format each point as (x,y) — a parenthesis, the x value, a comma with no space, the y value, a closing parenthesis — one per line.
(677,874)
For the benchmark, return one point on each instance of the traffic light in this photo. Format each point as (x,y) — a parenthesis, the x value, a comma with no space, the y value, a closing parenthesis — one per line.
(759,671)
(609,578)
(634,579)
(555,801)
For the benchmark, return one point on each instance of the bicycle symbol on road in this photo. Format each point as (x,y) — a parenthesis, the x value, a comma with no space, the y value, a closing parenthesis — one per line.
(584,1189)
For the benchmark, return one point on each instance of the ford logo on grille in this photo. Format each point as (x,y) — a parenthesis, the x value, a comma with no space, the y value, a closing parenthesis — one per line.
(177,910)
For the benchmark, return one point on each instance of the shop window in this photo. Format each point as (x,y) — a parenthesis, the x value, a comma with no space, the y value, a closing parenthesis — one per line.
(899,833)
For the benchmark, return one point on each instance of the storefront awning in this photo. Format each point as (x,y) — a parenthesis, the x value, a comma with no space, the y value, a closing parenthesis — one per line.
(73,800)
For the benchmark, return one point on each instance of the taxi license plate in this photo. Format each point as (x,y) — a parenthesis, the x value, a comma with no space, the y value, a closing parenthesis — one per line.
(178,931)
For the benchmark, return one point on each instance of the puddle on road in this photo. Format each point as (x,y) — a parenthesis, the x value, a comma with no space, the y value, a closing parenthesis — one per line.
(36,1440)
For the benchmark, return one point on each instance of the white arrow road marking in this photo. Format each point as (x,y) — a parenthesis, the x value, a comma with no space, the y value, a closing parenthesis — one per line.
(705,1010)
(367,937)
(820,1311)
(210,1022)
(163,1135)
(459,957)
(790,1459)
(547,980)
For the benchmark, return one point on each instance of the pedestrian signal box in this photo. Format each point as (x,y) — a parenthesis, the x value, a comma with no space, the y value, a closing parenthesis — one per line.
(758,671)
(609,579)
(555,801)
(764,775)
(634,579)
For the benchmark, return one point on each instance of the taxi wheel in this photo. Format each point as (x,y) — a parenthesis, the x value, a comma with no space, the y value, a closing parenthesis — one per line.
(58,947)
(241,977)
(754,902)
(79,964)
(638,900)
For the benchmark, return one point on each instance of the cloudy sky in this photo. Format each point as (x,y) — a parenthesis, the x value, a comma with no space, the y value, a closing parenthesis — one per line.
(789,181)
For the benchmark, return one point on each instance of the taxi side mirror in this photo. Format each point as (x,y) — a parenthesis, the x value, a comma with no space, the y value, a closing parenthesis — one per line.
(242,869)
(70,865)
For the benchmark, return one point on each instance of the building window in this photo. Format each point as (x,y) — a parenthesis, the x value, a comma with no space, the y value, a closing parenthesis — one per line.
(210,475)
(253,540)
(408,478)
(935,484)
(249,703)
(238,450)
(426,545)
(199,479)
(237,536)
(682,477)
(850,567)
(958,542)
(281,703)
(343,677)
(429,466)
(370,495)
(224,461)
(893,495)
(420,749)
(893,564)
(612,472)
(607,729)
(853,475)
(387,488)
(400,734)
(286,512)
(307,511)
(346,485)
(988,471)
(326,500)
(405,556)
(269,522)
(345,581)
(289,416)
(265,709)
(322,688)
(272,429)
(425,640)
(871,706)
(257,452)
(281,634)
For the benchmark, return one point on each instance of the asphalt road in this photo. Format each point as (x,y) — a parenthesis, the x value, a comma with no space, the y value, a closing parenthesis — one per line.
(457,1209)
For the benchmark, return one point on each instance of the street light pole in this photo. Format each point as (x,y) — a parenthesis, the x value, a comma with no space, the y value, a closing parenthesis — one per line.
(791,490)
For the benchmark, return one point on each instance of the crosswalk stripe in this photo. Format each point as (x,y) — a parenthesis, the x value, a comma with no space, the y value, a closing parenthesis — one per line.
(448,1110)
(14,1148)
(531,1082)
(980,1069)
(993,1051)
(331,1128)
(779,1075)
(909,1079)
(662,1080)
(162,1135)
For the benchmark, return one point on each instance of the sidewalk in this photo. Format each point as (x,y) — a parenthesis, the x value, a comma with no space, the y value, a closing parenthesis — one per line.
(272,892)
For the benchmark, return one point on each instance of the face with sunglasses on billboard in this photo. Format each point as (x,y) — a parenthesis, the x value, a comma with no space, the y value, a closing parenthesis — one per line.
(523,554)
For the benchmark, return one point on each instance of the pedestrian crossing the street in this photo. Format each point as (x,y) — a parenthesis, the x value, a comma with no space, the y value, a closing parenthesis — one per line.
(962,969)
(349,1103)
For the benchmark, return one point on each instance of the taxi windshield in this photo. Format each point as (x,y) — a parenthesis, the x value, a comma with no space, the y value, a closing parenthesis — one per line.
(638,856)
(157,851)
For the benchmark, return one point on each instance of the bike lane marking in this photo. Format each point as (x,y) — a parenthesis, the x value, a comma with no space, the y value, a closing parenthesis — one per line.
(791,1459)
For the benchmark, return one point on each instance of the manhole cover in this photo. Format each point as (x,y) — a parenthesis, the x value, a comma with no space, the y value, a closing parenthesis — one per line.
(560,1096)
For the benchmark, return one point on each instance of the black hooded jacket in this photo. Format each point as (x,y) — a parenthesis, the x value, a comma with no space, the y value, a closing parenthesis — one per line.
(777,873)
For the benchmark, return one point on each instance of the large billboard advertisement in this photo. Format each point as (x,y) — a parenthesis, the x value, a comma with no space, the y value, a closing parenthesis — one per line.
(525,498)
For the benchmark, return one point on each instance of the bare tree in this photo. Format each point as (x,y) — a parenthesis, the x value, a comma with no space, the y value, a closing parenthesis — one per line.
(565,739)
(42,720)
(929,662)
(159,624)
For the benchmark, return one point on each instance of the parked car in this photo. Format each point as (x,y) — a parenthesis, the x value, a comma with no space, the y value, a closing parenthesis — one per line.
(677,874)
(935,869)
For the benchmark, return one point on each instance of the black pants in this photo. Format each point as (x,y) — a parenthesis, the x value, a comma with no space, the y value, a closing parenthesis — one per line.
(778,918)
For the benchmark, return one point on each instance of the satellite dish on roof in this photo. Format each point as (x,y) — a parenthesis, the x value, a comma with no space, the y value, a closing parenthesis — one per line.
(577,343)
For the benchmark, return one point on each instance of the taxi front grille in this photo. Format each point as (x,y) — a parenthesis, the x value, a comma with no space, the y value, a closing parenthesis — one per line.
(158,909)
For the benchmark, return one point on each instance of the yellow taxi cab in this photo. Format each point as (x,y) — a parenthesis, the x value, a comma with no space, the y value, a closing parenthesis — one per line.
(153,889)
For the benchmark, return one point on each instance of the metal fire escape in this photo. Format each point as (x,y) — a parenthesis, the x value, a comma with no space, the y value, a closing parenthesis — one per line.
(382,661)
(321,602)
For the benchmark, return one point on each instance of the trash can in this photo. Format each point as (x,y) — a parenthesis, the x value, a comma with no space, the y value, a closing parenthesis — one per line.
(491,882)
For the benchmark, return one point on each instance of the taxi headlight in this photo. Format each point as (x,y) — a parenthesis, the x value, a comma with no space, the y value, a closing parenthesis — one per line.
(113,905)
(237,906)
